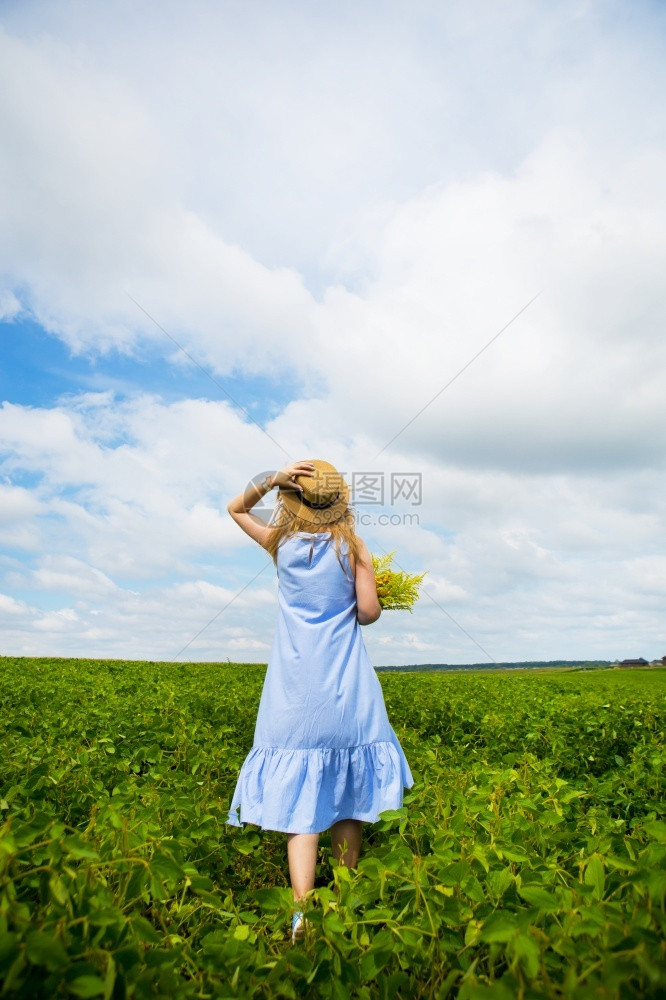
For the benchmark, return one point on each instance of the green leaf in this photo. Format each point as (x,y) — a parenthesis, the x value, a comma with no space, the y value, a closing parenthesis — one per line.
(25,834)
(525,949)
(86,986)
(499,881)
(657,829)
(200,883)
(128,958)
(338,990)
(594,876)
(391,814)
(106,917)
(248,843)
(109,978)
(165,867)
(78,849)
(9,949)
(472,888)
(536,896)
(511,854)
(271,900)
(622,864)
(376,915)
(472,932)
(42,949)
(372,963)
(58,890)
(657,887)
(454,874)
(496,990)
(499,927)
(481,856)
(144,930)
(159,957)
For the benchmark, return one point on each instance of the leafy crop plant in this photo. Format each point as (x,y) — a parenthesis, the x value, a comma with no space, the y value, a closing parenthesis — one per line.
(528,859)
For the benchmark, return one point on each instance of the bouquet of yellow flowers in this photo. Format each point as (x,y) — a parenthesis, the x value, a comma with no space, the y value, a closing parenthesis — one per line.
(396,591)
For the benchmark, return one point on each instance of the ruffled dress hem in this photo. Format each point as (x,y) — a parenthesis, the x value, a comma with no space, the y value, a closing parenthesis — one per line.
(307,790)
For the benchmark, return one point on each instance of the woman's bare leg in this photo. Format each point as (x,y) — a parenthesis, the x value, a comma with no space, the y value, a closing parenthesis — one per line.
(302,855)
(351,832)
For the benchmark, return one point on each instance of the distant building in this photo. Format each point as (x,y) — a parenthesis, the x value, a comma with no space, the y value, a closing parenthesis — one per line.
(640,662)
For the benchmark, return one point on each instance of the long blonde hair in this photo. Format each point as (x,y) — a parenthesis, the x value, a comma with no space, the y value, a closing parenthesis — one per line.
(285,524)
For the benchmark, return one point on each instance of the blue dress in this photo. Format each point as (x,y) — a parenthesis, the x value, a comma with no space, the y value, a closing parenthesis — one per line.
(323,747)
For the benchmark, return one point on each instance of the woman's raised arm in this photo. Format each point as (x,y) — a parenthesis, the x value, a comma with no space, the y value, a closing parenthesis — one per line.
(241,505)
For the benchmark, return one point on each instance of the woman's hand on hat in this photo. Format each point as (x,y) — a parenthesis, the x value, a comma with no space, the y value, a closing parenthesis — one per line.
(286,478)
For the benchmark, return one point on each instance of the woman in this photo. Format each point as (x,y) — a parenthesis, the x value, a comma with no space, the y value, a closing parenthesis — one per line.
(324,755)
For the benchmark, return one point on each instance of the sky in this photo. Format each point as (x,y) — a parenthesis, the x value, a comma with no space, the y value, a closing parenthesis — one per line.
(424,241)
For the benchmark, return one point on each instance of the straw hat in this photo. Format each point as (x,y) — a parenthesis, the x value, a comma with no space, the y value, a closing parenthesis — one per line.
(324,497)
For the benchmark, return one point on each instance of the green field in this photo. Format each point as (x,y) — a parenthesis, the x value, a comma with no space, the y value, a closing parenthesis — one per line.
(528,860)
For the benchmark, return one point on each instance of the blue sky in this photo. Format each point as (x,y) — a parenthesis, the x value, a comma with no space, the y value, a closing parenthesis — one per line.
(333,208)
(40,370)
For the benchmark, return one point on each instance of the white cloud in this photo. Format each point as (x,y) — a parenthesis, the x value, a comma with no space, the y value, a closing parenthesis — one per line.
(518,555)
(145,505)
(574,382)
(246,644)
(9,305)
(88,220)
(16,503)
(72,576)
(57,621)
(18,510)
(10,607)
(359,201)
(406,641)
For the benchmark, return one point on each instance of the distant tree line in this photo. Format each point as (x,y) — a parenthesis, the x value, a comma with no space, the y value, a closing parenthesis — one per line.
(518,665)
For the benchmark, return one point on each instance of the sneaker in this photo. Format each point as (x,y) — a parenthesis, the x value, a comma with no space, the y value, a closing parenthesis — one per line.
(297,926)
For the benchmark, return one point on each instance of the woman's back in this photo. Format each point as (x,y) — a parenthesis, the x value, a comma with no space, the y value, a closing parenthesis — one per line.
(312,582)
(320,688)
